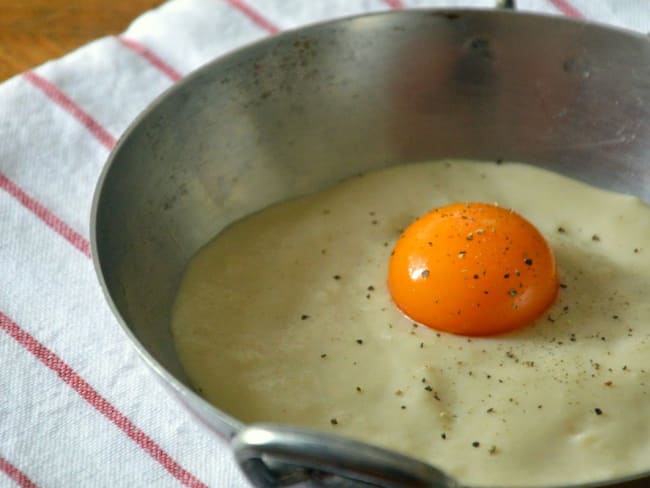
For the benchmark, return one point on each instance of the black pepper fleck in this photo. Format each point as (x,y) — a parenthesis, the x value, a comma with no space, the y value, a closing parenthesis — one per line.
(337,277)
(598,411)
(528,261)
(359,341)
(595,238)
(304,317)
(334,422)
(476,444)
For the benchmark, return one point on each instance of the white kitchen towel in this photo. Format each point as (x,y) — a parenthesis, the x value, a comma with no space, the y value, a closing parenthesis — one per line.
(77,406)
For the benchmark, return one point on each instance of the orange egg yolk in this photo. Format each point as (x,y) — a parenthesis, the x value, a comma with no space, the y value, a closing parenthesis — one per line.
(472,269)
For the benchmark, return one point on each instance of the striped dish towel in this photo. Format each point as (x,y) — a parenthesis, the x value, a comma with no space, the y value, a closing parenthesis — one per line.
(77,406)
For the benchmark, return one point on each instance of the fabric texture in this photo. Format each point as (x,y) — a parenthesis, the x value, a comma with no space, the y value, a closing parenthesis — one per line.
(78,407)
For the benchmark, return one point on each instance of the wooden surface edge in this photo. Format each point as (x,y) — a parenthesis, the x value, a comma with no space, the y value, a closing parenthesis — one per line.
(35,31)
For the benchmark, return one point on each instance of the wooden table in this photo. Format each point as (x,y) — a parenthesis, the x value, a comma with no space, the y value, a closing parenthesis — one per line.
(35,31)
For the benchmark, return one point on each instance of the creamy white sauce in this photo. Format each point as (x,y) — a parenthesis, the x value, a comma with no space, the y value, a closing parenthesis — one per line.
(285,317)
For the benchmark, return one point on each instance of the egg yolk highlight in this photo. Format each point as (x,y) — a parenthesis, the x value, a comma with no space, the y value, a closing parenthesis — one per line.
(472,269)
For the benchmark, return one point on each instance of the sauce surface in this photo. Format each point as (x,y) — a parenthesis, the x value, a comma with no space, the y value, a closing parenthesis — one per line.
(285,317)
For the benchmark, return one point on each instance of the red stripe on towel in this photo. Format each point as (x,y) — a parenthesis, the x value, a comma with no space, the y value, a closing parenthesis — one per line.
(97,401)
(61,99)
(150,56)
(254,15)
(43,213)
(567,9)
(395,4)
(16,474)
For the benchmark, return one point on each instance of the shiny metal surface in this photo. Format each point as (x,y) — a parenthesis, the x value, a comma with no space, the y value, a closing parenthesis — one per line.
(299,111)
(326,460)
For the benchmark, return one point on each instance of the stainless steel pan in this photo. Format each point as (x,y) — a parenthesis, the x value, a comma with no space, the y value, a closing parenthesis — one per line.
(309,107)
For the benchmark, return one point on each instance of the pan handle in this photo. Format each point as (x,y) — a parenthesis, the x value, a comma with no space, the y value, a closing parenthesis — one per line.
(273,456)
